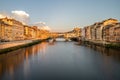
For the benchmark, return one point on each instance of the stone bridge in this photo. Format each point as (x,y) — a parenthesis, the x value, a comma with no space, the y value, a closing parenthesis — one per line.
(66,35)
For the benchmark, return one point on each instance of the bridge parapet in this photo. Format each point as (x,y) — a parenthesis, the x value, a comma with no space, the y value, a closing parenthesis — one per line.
(67,36)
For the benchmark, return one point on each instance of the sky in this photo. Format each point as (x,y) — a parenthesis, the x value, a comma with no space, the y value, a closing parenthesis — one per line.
(62,15)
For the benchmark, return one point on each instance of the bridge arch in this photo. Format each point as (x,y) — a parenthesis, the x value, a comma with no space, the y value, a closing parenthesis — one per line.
(54,36)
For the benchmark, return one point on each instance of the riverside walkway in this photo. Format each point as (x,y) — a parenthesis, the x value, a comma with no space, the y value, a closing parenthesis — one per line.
(4,45)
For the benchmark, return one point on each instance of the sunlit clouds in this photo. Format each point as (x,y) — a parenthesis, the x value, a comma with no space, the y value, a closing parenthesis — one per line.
(42,25)
(24,17)
(20,13)
(21,16)
(3,15)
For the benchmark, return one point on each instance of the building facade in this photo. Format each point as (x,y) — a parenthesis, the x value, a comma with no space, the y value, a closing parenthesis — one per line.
(93,32)
(97,33)
(16,27)
(5,32)
(117,32)
(88,33)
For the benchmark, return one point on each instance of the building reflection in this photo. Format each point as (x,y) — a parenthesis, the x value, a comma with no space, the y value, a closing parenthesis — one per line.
(105,56)
(12,60)
(51,43)
(106,52)
(9,62)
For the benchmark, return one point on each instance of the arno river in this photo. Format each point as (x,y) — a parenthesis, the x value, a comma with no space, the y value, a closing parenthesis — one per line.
(60,61)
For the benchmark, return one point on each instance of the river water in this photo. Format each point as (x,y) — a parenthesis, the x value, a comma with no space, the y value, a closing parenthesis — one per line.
(60,61)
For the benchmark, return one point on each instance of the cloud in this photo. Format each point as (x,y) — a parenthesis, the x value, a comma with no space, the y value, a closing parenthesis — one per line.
(20,13)
(3,15)
(21,16)
(24,17)
(42,25)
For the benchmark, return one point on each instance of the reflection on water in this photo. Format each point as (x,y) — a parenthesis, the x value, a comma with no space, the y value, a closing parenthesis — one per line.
(60,60)
(12,60)
(106,51)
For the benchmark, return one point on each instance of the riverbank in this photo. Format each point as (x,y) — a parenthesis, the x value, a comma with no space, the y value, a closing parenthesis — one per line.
(20,45)
(102,44)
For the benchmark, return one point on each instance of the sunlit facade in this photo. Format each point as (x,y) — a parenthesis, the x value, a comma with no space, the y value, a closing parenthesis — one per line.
(13,30)
(117,32)
(5,32)
(77,32)
(107,30)
(112,33)
(88,33)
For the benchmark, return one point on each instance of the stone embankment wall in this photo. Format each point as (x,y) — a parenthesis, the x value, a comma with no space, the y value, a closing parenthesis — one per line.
(10,46)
